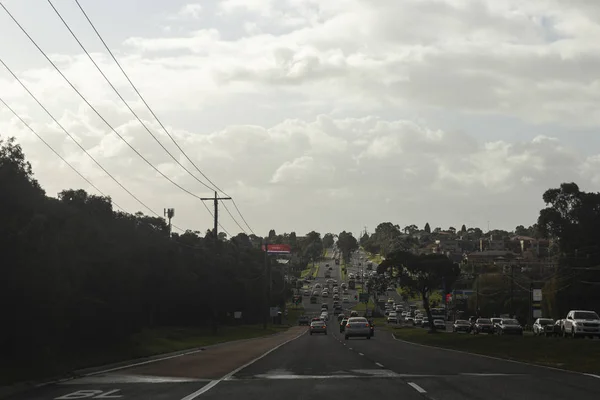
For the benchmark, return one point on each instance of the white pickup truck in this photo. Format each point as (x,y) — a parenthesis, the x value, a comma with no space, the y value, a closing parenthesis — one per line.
(581,323)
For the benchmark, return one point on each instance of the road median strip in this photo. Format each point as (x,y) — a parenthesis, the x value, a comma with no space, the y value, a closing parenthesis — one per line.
(558,353)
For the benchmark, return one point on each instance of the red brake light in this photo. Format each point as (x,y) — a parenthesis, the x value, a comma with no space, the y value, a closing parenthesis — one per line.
(367,325)
(348,326)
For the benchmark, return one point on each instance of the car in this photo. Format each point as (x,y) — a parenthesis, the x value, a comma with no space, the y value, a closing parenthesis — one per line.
(341,317)
(418,321)
(509,326)
(392,317)
(357,327)
(483,325)
(543,326)
(343,323)
(425,323)
(303,320)
(313,300)
(325,306)
(460,325)
(318,327)
(325,294)
(439,324)
(345,300)
(306,292)
(354,314)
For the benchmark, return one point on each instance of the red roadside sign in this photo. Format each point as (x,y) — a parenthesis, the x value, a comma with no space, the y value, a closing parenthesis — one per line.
(278,248)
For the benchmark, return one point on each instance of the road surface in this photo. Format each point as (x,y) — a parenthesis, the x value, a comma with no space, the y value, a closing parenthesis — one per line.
(300,366)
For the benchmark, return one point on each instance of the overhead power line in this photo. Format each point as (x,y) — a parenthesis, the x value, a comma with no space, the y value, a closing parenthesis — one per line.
(95,111)
(89,182)
(48,145)
(155,116)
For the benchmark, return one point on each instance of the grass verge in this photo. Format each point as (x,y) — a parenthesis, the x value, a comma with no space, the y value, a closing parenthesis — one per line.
(576,355)
(149,342)
(343,274)
(361,307)
(316,271)
(305,273)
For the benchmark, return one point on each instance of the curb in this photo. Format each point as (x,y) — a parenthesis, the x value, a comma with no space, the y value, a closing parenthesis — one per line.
(22,387)
(495,358)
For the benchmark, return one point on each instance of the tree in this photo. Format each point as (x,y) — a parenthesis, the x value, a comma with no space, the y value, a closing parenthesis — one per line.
(364,239)
(572,217)
(452,230)
(427,228)
(423,273)
(272,235)
(328,240)
(463,229)
(411,229)
(347,244)
(89,274)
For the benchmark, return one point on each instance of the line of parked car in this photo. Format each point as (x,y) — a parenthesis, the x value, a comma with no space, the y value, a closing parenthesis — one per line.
(579,323)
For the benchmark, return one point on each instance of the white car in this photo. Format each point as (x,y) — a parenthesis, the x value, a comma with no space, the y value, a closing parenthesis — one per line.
(325,294)
(439,324)
(345,300)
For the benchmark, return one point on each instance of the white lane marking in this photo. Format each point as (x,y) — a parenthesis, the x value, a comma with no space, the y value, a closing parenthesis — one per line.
(484,374)
(144,362)
(417,387)
(593,376)
(379,364)
(489,357)
(349,348)
(119,378)
(360,354)
(214,383)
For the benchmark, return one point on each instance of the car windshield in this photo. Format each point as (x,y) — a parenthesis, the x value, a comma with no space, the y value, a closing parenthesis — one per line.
(461,322)
(484,321)
(510,322)
(585,315)
(545,321)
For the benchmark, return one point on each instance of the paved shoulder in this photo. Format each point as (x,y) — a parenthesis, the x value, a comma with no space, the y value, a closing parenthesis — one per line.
(173,378)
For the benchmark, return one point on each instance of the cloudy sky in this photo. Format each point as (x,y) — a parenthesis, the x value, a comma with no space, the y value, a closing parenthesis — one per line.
(312,114)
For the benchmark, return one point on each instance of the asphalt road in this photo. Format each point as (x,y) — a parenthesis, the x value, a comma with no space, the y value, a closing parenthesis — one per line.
(327,366)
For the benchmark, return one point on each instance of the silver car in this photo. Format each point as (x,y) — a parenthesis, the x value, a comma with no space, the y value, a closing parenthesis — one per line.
(318,327)
(357,326)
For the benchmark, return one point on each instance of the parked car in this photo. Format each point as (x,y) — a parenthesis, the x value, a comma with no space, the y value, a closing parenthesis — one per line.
(460,325)
(303,320)
(483,325)
(509,326)
(439,324)
(543,327)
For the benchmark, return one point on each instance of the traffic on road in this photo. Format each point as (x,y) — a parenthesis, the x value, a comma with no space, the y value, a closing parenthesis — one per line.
(336,351)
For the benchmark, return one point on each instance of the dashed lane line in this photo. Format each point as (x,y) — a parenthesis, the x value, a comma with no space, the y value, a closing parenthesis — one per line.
(416,387)
(360,354)
(379,365)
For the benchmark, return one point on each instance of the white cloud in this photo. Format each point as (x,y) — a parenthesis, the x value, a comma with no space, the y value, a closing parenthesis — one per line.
(189,11)
(340,113)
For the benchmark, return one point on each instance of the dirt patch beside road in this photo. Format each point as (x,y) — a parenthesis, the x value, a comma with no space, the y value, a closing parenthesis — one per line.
(216,361)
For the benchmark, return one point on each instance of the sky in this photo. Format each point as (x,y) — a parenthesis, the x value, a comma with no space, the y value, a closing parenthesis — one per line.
(313,115)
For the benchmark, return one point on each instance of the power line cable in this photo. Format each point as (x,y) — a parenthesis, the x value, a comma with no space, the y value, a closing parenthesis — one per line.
(75,140)
(157,119)
(97,113)
(48,145)
(71,165)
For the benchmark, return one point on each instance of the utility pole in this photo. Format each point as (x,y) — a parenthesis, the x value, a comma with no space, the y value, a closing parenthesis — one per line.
(267,288)
(169,214)
(512,289)
(216,215)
